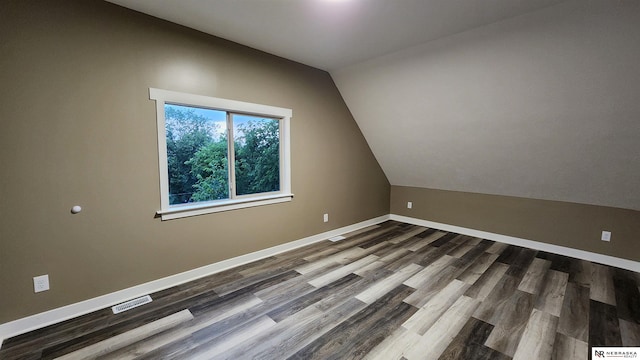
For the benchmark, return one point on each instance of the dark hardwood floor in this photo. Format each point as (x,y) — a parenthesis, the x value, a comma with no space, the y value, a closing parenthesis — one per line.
(390,291)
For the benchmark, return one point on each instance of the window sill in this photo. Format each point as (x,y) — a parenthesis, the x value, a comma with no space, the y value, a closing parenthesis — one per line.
(180,211)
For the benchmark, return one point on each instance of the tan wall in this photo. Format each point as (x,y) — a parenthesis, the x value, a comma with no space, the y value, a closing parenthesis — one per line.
(572,225)
(78,128)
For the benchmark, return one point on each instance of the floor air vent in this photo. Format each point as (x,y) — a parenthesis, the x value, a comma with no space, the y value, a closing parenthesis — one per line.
(337,238)
(131,304)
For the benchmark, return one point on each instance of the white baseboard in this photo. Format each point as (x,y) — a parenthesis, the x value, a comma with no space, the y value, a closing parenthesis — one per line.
(57,315)
(556,249)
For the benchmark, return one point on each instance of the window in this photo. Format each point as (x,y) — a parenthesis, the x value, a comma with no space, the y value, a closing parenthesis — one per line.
(217,154)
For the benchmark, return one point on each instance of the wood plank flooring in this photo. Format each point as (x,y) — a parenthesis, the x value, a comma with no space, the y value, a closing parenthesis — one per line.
(390,291)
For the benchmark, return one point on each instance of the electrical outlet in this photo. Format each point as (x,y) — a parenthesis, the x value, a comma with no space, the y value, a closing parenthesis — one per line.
(326,217)
(41,283)
(606,236)
(409,205)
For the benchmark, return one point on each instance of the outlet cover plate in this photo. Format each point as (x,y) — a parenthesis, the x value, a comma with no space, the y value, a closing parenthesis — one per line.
(41,283)
(606,236)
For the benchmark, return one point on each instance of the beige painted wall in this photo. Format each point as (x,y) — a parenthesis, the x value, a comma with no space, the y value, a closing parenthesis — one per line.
(78,128)
(572,225)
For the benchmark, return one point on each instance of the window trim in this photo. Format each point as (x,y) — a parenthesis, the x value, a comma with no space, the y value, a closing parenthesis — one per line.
(168,211)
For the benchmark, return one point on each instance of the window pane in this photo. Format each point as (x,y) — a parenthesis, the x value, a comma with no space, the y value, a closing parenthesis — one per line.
(196,154)
(257,154)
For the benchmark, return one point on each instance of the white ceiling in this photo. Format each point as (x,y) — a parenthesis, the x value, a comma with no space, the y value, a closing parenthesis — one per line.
(543,105)
(330,34)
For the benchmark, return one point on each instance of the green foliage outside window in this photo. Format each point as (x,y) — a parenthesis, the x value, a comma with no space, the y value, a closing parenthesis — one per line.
(257,157)
(198,161)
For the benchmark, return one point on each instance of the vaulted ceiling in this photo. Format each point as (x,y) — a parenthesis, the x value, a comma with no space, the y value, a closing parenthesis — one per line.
(529,98)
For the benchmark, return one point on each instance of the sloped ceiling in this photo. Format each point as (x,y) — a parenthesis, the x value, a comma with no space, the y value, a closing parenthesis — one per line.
(543,105)
(529,98)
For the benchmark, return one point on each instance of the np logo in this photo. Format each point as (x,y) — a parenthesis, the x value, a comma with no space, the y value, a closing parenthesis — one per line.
(598,353)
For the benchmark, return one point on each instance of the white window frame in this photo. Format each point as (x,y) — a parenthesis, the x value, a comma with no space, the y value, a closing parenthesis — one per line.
(168,211)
